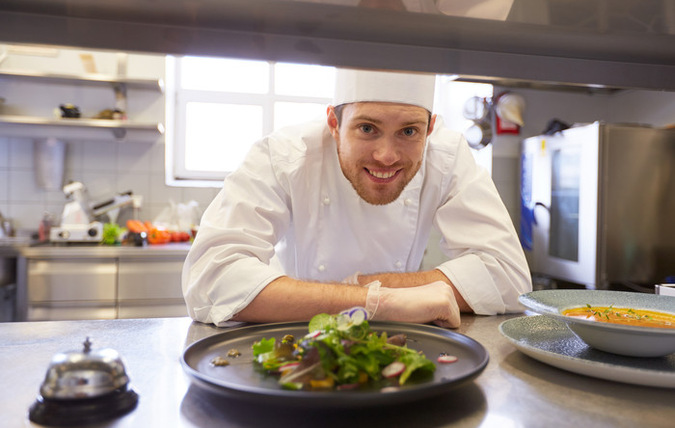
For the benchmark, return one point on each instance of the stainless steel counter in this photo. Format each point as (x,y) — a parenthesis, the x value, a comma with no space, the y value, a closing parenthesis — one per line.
(513,391)
(103,251)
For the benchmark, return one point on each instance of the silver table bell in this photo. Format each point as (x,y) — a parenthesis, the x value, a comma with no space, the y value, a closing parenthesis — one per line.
(84,387)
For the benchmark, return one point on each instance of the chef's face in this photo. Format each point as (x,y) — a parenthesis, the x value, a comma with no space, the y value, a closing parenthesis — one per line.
(380,146)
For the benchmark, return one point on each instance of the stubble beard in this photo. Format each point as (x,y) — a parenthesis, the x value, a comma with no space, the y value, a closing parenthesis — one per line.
(371,194)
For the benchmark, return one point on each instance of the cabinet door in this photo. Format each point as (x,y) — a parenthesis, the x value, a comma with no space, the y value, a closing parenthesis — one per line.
(150,279)
(93,280)
(71,289)
(150,288)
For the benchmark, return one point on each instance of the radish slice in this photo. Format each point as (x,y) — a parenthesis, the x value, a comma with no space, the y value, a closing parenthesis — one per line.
(394,369)
(289,366)
(446,359)
(314,334)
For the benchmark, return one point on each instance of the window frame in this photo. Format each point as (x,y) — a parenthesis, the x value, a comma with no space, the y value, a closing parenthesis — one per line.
(177,99)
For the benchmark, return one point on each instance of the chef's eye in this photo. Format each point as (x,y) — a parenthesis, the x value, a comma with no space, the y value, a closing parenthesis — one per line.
(368,129)
(409,132)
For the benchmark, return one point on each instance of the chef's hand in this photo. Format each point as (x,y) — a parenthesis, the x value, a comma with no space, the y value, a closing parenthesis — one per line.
(434,302)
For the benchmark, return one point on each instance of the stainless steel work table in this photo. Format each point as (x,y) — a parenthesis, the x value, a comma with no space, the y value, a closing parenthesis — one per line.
(83,251)
(513,391)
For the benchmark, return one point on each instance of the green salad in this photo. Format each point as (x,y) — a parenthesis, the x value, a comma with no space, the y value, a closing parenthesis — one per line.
(341,352)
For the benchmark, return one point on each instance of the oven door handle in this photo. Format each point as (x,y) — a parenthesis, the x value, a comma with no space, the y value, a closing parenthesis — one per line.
(539,204)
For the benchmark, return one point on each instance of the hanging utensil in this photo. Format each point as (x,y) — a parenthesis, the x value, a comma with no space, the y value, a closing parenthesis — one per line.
(479,135)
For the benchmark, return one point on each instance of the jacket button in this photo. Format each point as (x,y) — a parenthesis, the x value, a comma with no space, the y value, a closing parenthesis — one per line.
(322,268)
(326,200)
(407,202)
(398,264)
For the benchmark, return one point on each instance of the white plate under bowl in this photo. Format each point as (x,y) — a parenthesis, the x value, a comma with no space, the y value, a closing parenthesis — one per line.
(619,339)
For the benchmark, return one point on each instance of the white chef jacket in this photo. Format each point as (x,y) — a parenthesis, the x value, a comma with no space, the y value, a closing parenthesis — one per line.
(289,210)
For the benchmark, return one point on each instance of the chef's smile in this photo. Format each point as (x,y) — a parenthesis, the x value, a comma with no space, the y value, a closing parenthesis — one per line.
(382,176)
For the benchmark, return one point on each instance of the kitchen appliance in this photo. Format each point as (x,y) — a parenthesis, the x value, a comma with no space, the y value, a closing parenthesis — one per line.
(597,204)
(80,218)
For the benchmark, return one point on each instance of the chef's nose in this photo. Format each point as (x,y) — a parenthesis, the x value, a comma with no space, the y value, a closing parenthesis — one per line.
(386,151)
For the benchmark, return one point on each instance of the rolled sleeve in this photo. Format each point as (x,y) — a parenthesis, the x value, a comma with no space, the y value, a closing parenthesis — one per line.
(473,281)
(230,288)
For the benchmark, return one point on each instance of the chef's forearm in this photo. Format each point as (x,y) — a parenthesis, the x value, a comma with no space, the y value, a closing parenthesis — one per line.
(288,299)
(413,279)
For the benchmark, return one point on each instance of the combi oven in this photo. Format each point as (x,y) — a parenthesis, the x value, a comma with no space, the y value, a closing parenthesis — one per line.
(598,205)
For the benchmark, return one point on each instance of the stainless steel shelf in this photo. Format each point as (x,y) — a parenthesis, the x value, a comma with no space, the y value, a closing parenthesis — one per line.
(85,79)
(119,128)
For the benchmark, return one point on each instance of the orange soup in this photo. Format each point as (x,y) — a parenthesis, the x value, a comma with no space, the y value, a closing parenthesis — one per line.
(626,316)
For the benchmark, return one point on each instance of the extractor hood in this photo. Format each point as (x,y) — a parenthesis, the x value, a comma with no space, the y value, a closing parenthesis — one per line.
(584,44)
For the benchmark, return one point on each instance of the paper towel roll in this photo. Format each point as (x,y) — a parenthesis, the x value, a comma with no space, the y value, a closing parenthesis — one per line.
(50,162)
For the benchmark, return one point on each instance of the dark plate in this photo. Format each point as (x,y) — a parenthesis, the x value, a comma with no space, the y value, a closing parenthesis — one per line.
(241,380)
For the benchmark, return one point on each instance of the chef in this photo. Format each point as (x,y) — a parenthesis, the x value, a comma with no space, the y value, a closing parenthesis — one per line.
(336,213)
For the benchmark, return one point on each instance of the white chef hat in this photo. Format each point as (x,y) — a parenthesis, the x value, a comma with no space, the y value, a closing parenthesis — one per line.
(353,86)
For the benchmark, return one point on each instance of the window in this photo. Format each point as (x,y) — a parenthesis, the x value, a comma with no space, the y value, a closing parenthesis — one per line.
(218,107)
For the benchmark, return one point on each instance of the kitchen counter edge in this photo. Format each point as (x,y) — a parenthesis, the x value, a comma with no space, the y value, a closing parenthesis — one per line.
(102,251)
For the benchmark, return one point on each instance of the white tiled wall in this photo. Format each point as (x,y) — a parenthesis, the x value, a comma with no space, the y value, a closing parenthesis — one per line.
(105,167)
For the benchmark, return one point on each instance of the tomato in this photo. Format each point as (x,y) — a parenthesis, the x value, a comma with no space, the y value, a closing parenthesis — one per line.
(156,237)
(177,236)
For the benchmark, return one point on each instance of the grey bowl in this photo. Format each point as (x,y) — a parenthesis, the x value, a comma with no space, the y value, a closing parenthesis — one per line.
(619,339)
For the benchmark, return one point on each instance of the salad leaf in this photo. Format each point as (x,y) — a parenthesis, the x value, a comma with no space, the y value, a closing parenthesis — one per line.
(265,345)
(413,362)
(340,350)
(321,322)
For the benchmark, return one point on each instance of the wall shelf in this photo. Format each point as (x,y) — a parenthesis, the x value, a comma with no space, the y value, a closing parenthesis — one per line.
(25,125)
(85,79)
(119,128)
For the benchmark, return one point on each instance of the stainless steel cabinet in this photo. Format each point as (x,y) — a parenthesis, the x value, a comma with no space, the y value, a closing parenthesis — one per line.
(72,289)
(104,288)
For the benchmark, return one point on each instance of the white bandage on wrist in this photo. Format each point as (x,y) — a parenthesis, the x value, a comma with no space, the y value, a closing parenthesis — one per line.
(373,298)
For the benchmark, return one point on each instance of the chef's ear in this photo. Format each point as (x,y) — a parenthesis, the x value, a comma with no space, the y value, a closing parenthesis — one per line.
(432,122)
(332,120)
